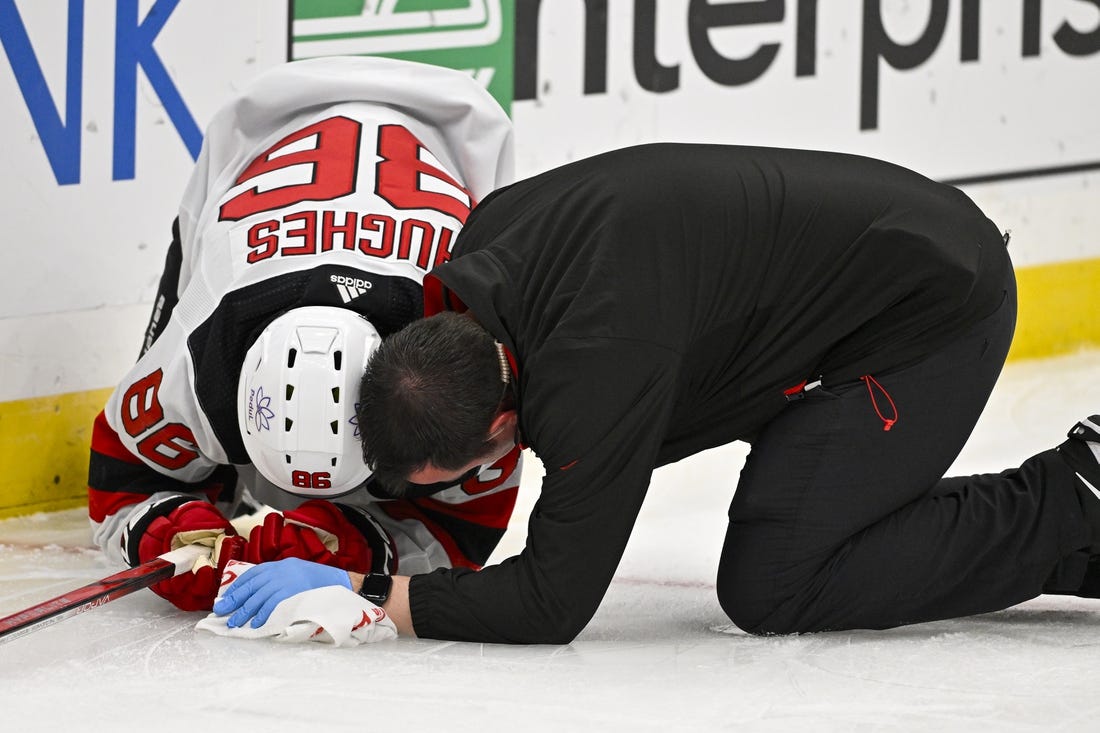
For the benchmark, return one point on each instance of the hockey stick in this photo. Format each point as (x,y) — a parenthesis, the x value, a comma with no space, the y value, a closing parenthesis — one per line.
(85,598)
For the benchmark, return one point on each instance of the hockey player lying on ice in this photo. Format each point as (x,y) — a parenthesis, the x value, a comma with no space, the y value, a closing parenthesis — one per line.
(846,317)
(322,196)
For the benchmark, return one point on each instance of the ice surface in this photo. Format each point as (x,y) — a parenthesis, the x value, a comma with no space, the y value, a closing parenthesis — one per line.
(659,655)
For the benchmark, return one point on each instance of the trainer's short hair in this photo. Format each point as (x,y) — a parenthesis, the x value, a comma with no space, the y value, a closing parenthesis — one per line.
(428,396)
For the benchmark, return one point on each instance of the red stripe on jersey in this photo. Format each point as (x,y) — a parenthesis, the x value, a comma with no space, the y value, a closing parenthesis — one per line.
(433,295)
(438,299)
(105,440)
(492,511)
(400,510)
(103,504)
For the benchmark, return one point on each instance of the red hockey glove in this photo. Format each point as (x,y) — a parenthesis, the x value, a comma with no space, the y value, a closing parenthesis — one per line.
(317,531)
(172,523)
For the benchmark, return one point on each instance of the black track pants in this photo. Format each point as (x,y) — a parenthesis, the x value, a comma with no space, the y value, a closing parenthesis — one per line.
(839,524)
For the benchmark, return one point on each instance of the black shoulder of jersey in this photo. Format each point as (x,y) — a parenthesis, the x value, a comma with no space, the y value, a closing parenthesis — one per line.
(219,344)
(167,291)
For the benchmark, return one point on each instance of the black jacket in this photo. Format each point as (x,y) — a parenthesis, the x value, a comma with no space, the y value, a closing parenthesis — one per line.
(658,301)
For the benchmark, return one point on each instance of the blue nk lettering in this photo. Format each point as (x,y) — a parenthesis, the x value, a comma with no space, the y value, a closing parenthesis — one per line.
(60,139)
(133,48)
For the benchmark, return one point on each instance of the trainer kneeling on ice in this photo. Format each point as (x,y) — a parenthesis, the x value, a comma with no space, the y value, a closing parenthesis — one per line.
(846,317)
(322,197)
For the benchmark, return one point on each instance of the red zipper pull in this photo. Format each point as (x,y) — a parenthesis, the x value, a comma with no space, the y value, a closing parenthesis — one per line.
(887,422)
(795,392)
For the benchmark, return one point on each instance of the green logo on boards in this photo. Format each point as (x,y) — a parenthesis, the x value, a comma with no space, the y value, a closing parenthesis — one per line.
(472,35)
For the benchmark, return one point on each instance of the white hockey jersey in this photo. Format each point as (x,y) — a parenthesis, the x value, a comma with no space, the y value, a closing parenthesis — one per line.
(336,181)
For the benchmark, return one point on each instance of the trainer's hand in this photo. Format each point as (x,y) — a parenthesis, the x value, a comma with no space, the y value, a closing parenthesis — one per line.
(256,593)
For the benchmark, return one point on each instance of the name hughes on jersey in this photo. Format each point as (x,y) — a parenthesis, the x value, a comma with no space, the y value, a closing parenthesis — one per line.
(312,232)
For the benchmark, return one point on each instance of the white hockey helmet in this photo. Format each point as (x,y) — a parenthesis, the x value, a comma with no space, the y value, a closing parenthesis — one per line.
(296,400)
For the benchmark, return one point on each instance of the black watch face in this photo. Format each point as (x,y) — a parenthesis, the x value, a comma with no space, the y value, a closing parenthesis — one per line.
(376,587)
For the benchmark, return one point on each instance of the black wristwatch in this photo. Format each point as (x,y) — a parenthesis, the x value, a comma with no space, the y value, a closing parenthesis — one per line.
(376,588)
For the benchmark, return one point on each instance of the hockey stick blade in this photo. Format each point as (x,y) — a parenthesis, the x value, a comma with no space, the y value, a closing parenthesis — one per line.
(102,591)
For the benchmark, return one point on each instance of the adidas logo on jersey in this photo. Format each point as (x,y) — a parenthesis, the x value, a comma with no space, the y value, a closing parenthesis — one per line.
(350,288)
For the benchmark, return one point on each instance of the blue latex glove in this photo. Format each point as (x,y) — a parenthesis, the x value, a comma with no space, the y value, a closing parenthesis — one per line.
(256,593)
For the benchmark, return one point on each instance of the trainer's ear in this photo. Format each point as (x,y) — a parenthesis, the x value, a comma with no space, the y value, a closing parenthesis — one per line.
(503,426)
